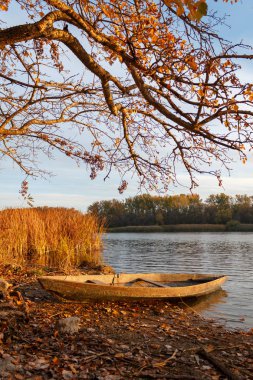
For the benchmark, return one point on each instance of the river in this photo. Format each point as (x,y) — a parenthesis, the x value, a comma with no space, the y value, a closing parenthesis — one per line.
(204,252)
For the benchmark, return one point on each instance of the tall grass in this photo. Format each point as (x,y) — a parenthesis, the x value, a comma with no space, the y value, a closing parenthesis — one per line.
(52,237)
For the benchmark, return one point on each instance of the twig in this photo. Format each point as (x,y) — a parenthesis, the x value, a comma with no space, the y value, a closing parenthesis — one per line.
(191,308)
(95,356)
(218,364)
(55,315)
(163,363)
(171,377)
(181,377)
(159,364)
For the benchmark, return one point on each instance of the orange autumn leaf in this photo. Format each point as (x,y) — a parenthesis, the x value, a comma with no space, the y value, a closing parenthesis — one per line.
(56,360)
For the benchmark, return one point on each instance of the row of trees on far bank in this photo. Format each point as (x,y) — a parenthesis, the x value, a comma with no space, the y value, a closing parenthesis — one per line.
(177,209)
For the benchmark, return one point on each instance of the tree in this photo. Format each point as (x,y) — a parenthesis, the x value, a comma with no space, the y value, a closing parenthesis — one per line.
(110,212)
(141,210)
(155,88)
(242,208)
(220,207)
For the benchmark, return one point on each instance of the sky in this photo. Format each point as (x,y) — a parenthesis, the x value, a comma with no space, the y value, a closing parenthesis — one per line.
(70,186)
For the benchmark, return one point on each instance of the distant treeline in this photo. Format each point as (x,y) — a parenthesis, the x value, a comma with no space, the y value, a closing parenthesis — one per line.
(147,210)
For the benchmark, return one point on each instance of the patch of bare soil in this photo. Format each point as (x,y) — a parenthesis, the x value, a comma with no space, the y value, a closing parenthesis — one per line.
(44,338)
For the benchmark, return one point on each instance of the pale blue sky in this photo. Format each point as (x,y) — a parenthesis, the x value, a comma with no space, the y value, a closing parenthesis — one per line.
(71,186)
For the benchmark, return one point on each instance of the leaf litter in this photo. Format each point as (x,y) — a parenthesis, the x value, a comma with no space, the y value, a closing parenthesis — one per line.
(45,338)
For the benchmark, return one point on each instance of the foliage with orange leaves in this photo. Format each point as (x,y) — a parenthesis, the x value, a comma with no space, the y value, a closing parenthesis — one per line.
(149,85)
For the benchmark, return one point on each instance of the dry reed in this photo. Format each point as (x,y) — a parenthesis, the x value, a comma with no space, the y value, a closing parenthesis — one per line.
(51,237)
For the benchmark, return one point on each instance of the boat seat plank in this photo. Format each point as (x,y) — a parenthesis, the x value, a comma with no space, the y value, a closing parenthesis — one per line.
(97,282)
(158,284)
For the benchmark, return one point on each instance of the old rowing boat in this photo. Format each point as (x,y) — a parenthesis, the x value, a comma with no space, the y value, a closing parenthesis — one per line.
(131,286)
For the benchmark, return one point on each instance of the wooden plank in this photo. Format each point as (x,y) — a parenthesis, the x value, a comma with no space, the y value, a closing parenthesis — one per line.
(97,282)
(149,282)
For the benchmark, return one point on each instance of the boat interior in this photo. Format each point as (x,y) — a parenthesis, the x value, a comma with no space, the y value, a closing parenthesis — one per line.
(141,282)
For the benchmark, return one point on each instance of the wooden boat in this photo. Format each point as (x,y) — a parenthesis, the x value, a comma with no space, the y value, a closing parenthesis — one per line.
(142,286)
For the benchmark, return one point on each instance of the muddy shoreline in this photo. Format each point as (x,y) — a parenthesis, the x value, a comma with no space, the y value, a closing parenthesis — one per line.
(115,340)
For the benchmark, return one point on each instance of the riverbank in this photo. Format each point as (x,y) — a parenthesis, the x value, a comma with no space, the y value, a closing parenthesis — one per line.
(186,228)
(112,341)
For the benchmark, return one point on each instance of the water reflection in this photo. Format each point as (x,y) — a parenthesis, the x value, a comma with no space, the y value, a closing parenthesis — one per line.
(228,253)
(205,303)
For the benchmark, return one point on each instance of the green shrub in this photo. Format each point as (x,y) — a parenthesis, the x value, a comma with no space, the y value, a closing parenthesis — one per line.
(233,225)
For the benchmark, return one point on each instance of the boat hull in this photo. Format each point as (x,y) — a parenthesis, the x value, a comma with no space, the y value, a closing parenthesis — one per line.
(113,287)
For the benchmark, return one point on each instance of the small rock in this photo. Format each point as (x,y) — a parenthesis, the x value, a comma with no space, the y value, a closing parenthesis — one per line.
(110,341)
(4,286)
(70,325)
(38,364)
(168,347)
(18,376)
(91,330)
(206,367)
(124,347)
(119,355)
(155,346)
(108,376)
(6,365)
(67,375)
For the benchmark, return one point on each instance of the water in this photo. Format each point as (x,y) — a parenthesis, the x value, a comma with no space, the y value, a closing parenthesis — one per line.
(221,253)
